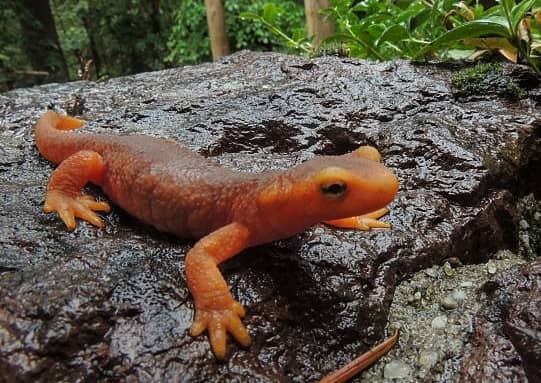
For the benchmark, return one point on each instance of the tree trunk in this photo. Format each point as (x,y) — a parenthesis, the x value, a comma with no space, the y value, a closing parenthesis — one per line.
(216,25)
(89,19)
(155,17)
(318,25)
(40,39)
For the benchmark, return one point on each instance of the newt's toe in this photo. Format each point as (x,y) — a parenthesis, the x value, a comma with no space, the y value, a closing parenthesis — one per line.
(370,221)
(219,322)
(362,222)
(69,208)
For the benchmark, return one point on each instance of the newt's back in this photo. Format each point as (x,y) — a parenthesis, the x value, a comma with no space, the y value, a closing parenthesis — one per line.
(157,180)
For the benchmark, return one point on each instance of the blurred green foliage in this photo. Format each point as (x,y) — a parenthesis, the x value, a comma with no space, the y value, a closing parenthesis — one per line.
(129,36)
(13,64)
(189,42)
(105,38)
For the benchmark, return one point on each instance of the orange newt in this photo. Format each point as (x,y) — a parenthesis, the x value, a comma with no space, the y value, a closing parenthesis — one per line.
(166,185)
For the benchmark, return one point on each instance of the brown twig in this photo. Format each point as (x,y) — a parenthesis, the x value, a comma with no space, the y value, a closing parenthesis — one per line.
(357,365)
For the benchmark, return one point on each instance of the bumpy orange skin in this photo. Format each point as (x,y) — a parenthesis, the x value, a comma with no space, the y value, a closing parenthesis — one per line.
(177,191)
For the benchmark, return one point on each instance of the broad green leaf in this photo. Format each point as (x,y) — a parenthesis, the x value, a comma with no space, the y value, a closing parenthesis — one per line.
(419,19)
(393,34)
(498,19)
(375,18)
(341,6)
(518,11)
(270,12)
(375,30)
(476,28)
(407,14)
(507,5)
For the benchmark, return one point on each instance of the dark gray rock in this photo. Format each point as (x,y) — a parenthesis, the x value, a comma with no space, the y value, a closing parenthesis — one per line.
(112,304)
(507,330)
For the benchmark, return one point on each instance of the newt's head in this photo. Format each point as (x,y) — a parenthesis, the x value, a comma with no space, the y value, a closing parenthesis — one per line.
(329,187)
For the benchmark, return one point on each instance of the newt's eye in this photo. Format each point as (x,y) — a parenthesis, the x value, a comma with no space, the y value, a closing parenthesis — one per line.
(334,189)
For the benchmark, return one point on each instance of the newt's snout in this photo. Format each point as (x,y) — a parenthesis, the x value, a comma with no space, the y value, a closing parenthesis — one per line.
(386,185)
(371,186)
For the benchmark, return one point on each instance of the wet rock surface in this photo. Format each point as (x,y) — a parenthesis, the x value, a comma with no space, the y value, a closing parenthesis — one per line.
(113,304)
(507,331)
(435,334)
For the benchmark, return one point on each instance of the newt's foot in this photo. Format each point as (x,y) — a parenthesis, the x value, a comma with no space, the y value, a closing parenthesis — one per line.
(218,322)
(362,222)
(69,207)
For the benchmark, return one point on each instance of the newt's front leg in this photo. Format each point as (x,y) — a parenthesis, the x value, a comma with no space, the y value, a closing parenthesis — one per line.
(64,189)
(216,310)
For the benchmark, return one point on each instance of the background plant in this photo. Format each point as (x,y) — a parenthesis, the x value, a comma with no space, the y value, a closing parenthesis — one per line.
(509,28)
(420,29)
(125,36)
(189,41)
(272,15)
(385,30)
(373,29)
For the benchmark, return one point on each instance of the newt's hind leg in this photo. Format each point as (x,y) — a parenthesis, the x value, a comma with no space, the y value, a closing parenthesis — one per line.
(64,189)
(362,222)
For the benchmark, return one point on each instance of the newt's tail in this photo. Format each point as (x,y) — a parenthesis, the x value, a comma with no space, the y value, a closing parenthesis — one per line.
(52,140)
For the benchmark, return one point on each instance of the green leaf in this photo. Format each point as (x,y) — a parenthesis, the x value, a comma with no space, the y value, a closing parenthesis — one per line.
(375,30)
(419,19)
(518,11)
(476,28)
(270,12)
(507,4)
(498,20)
(393,34)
